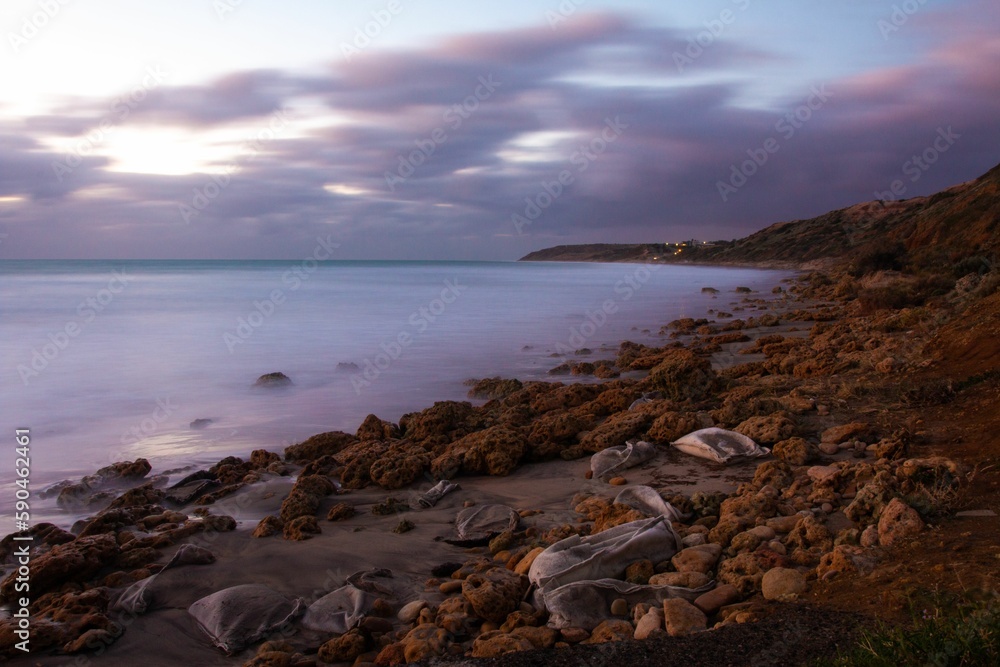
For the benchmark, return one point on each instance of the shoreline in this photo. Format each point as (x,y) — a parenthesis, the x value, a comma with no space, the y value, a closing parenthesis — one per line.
(547,494)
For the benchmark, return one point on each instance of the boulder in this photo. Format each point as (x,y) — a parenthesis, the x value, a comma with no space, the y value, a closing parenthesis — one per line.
(651,625)
(269,525)
(422,642)
(494,451)
(496,643)
(273,380)
(322,444)
(682,375)
(897,523)
(769,429)
(845,432)
(702,558)
(345,648)
(74,561)
(717,598)
(683,618)
(614,630)
(495,593)
(794,451)
(782,584)
(682,579)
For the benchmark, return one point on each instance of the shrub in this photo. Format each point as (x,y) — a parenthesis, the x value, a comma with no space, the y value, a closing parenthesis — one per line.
(876,258)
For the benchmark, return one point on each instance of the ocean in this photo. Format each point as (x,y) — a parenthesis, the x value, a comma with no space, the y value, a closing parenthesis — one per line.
(112,360)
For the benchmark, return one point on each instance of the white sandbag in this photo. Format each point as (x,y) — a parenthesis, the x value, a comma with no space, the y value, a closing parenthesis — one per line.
(608,462)
(602,556)
(719,445)
(339,611)
(481,523)
(585,604)
(138,597)
(648,501)
(239,616)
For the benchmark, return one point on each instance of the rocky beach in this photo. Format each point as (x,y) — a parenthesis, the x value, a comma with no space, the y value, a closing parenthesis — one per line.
(486,532)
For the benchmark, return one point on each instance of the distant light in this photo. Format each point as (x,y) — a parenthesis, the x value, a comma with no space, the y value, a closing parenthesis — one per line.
(11,199)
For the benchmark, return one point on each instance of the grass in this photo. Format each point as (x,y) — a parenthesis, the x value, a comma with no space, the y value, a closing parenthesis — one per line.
(968,634)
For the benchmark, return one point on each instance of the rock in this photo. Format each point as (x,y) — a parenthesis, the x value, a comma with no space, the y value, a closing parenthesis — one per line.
(449,587)
(846,559)
(540,637)
(495,451)
(794,451)
(317,446)
(682,375)
(422,642)
(611,631)
(373,428)
(743,572)
(496,643)
(340,512)
(767,430)
(682,618)
(839,434)
(404,526)
(898,522)
(823,474)
(617,481)
(91,639)
(301,528)
(74,561)
(810,532)
(670,426)
(639,572)
(273,380)
(411,610)
(400,465)
(619,607)
(616,430)
(694,540)
(682,579)
(697,559)
(829,448)
(495,593)
(783,584)
(869,536)
(345,648)
(574,635)
(524,565)
(718,597)
(651,625)
(440,424)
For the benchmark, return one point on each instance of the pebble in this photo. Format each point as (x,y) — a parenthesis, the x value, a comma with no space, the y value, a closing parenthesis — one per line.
(410,611)
(619,607)
(694,539)
(829,448)
(777,547)
(618,481)
(826,507)
(450,587)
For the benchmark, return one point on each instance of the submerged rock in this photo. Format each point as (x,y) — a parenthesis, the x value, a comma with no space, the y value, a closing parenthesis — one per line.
(273,380)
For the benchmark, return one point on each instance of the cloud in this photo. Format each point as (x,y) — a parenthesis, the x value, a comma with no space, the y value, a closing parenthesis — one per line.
(464,170)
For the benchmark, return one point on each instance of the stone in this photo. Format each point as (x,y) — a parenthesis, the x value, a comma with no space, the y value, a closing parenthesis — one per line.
(345,648)
(810,532)
(845,559)
(743,571)
(495,643)
(574,635)
(524,565)
(651,625)
(301,528)
(783,524)
(897,523)
(618,481)
(424,641)
(694,540)
(701,558)
(539,636)
(717,598)
(783,584)
(869,536)
(682,579)
(769,429)
(495,593)
(794,451)
(411,610)
(619,607)
(839,434)
(823,474)
(340,512)
(273,380)
(74,561)
(639,572)
(683,618)
(611,631)
(319,445)
(829,448)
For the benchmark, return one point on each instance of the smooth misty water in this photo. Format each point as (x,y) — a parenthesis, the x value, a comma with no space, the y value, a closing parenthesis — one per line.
(133,360)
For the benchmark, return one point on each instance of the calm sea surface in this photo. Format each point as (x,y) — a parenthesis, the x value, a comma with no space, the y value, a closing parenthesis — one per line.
(105,361)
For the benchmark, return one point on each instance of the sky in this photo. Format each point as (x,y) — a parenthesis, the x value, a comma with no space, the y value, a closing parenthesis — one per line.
(407,129)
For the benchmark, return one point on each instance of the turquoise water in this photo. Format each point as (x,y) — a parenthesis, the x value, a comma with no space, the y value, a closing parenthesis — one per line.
(112,360)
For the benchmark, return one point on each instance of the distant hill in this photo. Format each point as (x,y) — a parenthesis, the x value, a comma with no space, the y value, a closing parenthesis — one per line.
(958,223)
